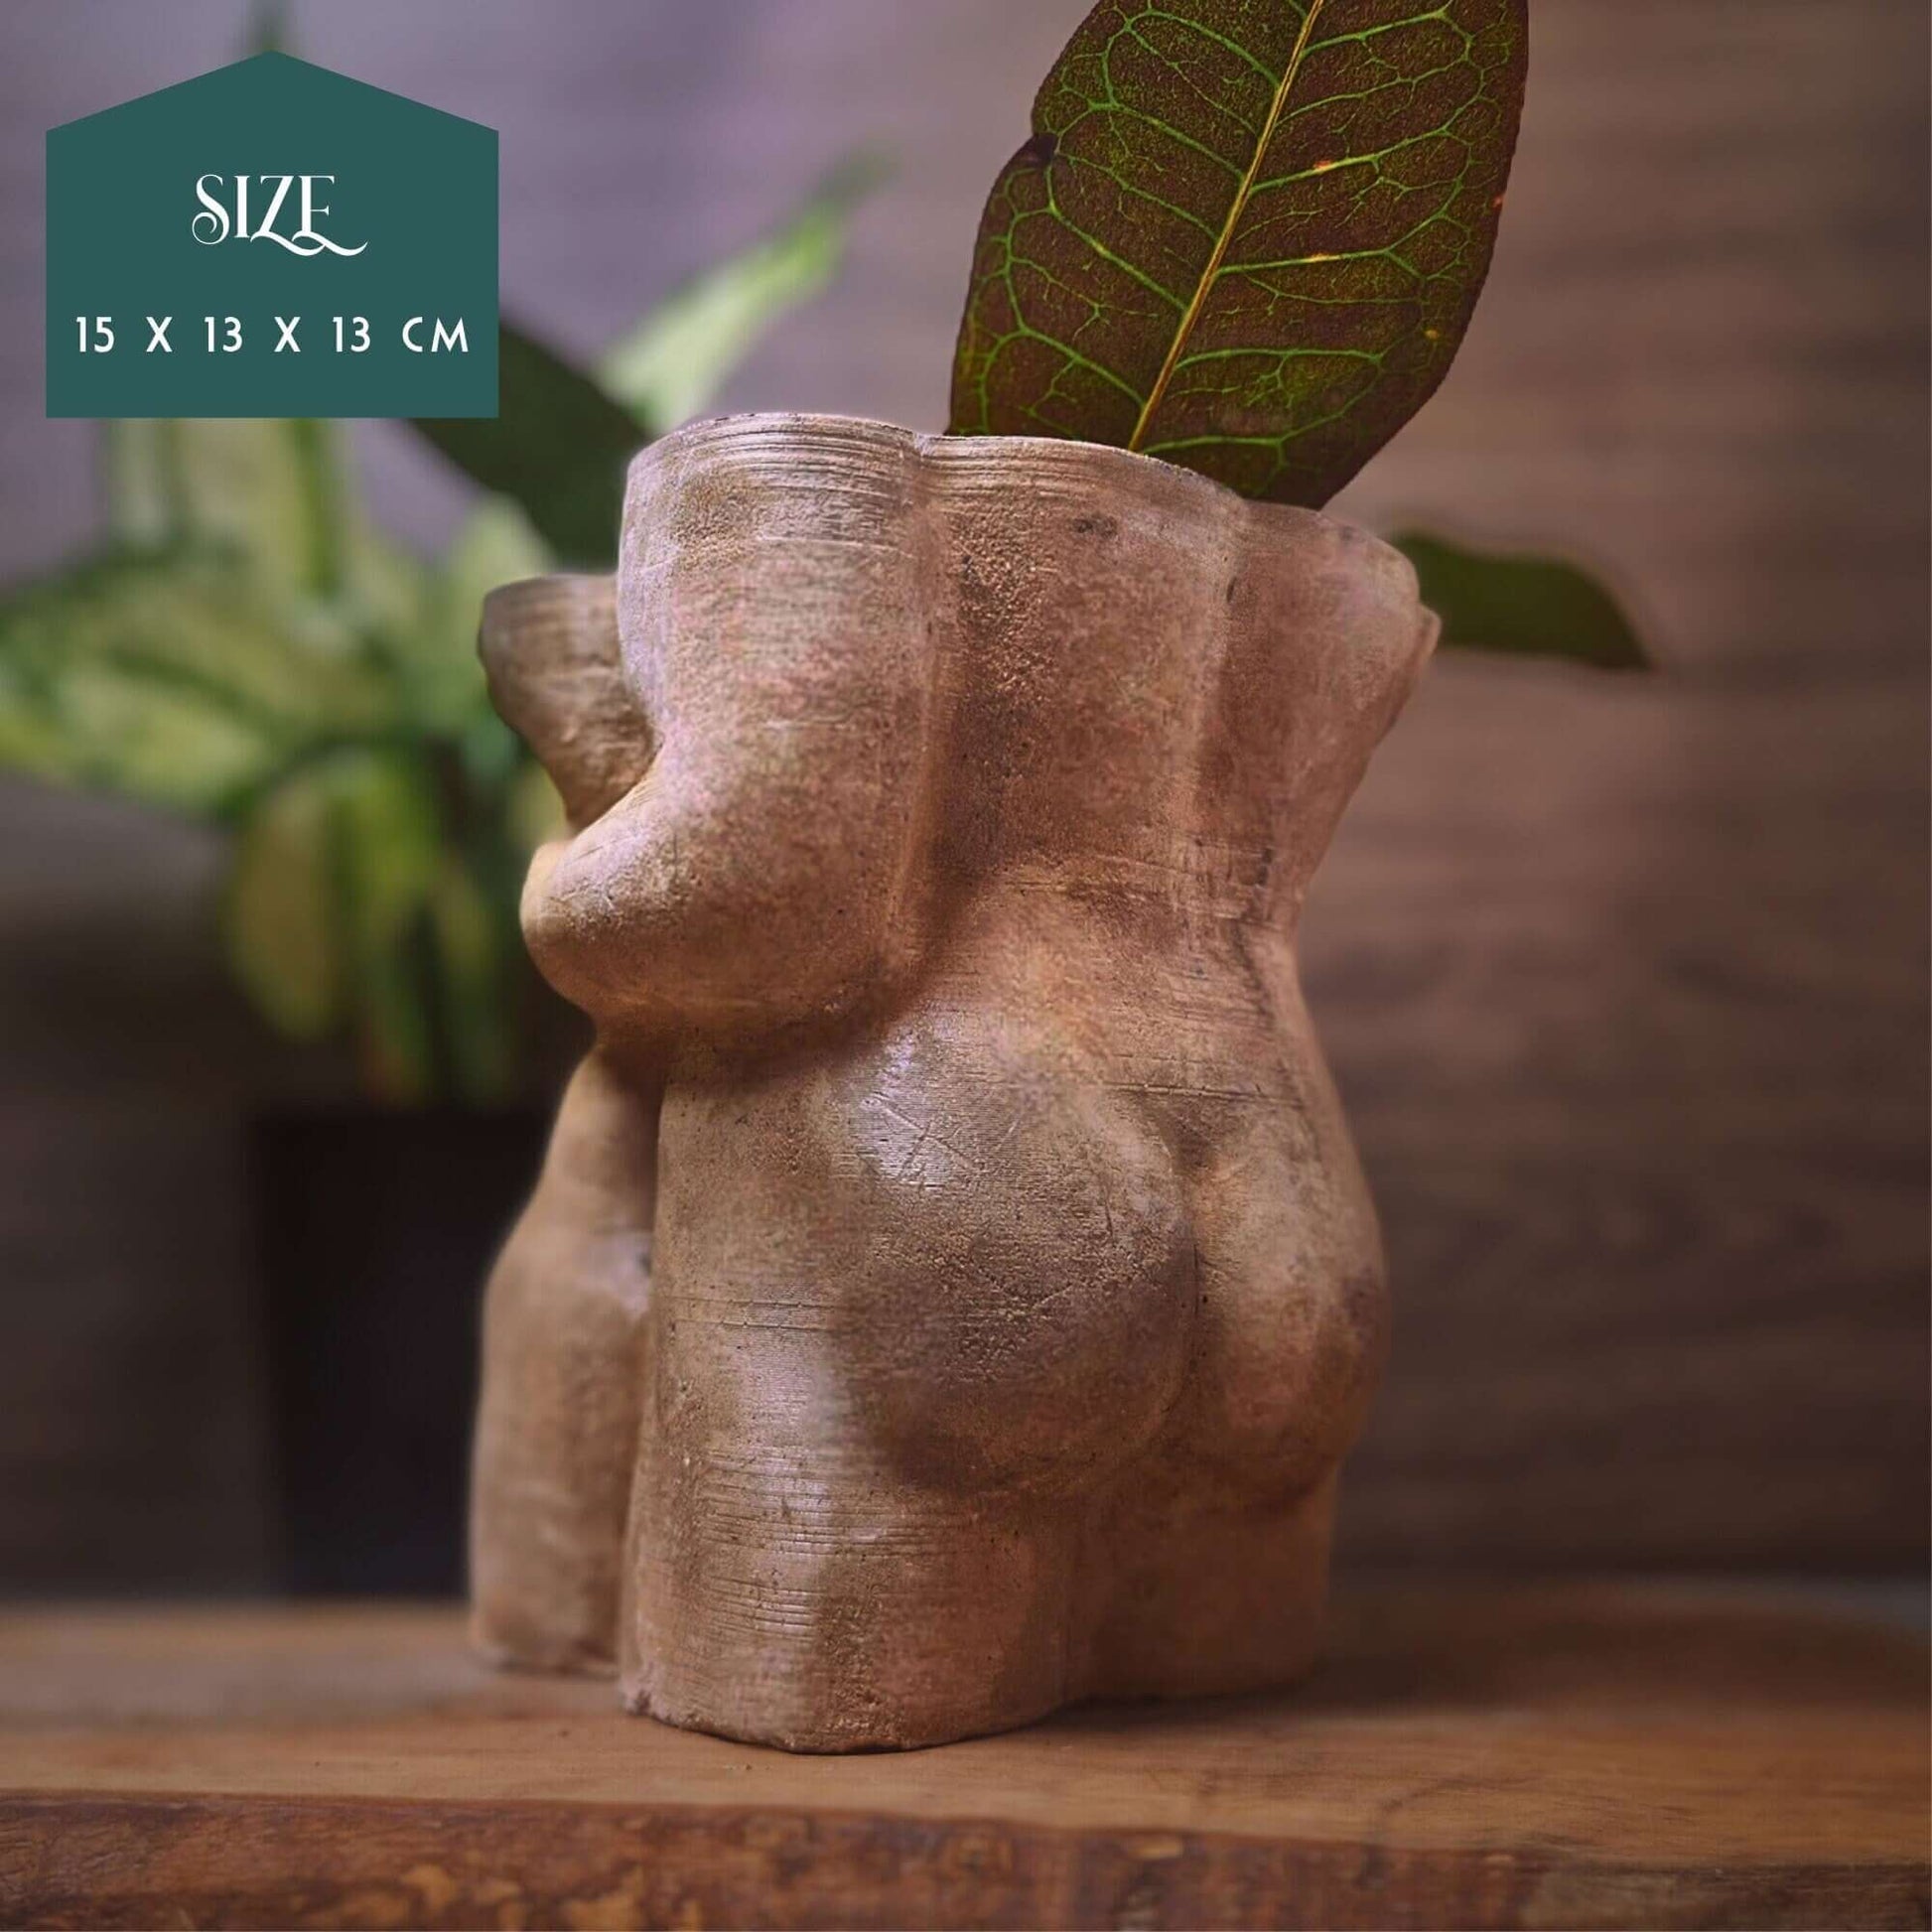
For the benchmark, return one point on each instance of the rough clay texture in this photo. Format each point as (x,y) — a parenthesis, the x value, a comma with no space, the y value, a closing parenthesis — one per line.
(943,810)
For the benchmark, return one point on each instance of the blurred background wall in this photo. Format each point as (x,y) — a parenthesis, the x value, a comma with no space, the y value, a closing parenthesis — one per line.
(1623,980)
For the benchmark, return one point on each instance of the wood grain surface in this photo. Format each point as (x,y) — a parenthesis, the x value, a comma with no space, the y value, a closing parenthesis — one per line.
(1624,983)
(1544,1755)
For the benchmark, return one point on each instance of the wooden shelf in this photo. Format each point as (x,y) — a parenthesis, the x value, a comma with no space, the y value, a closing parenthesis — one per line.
(1482,1756)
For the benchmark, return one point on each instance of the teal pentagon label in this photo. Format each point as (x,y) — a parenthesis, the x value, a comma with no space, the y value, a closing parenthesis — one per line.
(271,240)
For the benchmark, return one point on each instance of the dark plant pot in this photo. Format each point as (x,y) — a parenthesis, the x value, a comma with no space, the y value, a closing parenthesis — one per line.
(376,1230)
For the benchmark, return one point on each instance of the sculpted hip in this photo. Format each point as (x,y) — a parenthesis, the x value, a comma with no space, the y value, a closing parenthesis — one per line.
(995,1259)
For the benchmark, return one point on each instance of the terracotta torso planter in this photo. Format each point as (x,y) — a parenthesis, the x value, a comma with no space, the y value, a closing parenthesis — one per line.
(946,812)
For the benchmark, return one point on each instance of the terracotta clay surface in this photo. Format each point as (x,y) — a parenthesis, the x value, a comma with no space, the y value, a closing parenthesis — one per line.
(943,810)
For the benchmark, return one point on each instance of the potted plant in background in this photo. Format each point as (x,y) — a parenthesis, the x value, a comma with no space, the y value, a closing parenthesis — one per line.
(245,647)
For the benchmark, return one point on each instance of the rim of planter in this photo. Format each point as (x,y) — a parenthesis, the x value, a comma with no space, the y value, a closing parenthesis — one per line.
(1034,457)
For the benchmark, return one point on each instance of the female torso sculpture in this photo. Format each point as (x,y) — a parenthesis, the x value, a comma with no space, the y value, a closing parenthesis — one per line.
(943,810)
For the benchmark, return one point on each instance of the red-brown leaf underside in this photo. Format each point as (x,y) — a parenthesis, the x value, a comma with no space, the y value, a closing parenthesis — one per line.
(1247,235)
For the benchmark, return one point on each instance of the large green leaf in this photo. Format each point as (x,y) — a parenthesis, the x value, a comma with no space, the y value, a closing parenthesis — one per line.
(282,915)
(495,545)
(391,847)
(1528,606)
(106,727)
(558,447)
(269,490)
(561,440)
(330,911)
(278,498)
(533,813)
(1246,236)
(170,676)
(476,951)
(673,362)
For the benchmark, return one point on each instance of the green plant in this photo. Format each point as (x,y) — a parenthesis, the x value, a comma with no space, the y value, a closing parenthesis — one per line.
(245,647)
(1245,236)
(1248,238)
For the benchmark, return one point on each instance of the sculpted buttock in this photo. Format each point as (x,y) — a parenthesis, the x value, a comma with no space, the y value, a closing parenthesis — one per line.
(941,813)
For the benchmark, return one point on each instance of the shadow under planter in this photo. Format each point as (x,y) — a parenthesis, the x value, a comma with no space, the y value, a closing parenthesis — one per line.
(374,1227)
